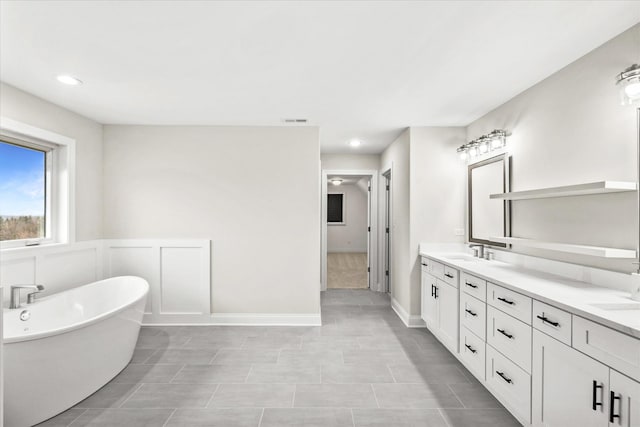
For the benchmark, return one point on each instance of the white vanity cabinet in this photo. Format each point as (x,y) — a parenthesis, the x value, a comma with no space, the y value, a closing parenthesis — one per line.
(571,388)
(439,307)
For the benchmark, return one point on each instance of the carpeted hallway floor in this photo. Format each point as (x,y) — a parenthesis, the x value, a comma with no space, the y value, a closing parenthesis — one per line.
(347,271)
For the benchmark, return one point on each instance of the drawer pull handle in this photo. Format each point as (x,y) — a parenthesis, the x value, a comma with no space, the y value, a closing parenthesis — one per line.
(426,265)
(472,350)
(470,312)
(594,401)
(450,276)
(505,334)
(612,405)
(506,301)
(434,291)
(504,377)
(471,285)
(546,320)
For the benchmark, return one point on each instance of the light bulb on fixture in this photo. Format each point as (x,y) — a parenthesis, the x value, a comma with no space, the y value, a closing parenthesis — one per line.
(629,82)
(462,152)
(473,150)
(336,181)
(355,143)
(483,145)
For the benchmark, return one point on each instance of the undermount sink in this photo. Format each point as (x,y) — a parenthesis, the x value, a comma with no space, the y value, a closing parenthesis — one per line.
(617,306)
(461,257)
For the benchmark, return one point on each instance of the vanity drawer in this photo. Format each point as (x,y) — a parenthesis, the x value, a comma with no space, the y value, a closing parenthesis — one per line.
(613,348)
(473,315)
(436,269)
(450,276)
(552,321)
(510,337)
(424,264)
(513,303)
(510,383)
(472,352)
(473,286)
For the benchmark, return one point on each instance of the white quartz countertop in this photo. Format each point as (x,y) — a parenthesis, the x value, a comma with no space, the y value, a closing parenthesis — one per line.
(570,295)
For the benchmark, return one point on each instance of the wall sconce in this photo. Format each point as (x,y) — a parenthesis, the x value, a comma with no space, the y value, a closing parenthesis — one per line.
(495,140)
(629,83)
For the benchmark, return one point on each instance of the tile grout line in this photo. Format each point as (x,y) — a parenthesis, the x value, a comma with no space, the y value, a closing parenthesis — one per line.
(129,397)
(391,372)
(213,358)
(443,417)
(212,396)
(76,418)
(353,418)
(374,395)
(261,416)
(176,375)
(248,373)
(169,417)
(295,391)
(456,396)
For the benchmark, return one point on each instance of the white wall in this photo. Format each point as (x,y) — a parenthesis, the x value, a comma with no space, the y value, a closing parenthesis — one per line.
(437,194)
(396,158)
(350,161)
(352,236)
(569,129)
(223,184)
(34,111)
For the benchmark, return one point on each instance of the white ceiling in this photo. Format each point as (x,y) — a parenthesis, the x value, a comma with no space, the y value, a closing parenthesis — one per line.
(357,69)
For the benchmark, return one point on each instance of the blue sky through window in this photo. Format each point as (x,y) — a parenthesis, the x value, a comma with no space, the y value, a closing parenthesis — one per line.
(22,181)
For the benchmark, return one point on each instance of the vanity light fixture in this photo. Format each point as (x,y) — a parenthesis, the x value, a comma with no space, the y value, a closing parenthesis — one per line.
(69,80)
(355,143)
(336,181)
(629,83)
(495,140)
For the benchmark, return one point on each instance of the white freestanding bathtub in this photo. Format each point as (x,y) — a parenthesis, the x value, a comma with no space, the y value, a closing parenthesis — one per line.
(72,344)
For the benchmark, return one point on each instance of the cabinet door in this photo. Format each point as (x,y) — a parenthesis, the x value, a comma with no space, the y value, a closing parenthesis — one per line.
(449,323)
(624,401)
(430,304)
(569,388)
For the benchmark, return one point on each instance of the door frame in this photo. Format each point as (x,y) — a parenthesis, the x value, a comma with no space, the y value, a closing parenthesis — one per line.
(372,255)
(386,250)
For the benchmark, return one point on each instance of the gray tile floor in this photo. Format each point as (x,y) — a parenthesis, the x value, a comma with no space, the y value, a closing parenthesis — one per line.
(363,367)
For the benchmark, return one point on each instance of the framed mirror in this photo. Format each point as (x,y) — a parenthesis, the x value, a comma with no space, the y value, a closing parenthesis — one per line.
(489,217)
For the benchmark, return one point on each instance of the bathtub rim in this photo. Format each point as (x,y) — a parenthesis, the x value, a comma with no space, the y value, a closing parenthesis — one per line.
(75,326)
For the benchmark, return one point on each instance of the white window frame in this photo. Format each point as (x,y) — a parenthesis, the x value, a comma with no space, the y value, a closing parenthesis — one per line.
(60,181)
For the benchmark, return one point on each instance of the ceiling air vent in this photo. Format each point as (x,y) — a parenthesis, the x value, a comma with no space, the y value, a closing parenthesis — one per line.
(294,121)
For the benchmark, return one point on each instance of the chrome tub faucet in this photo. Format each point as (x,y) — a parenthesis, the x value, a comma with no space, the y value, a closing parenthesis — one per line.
(31,297)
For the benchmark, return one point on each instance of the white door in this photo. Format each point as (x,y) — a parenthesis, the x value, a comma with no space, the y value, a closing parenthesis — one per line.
(569,388)
(448,313)
(430,306)
(624,401)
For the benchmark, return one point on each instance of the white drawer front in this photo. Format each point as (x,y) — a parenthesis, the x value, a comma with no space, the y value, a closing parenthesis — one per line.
(510,384)
(513,303)
(450,276)
(472,352)
(473,315)
(473,286)
(436,269)
(425,264)
(613,348)
(510,337)
(552,321)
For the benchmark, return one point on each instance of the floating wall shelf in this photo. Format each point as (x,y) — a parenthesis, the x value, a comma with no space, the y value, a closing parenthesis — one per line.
(569,248)
(601,187)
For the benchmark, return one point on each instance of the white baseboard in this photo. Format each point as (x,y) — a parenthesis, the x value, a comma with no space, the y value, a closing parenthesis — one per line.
(347,250)
(233,319)
(410,321)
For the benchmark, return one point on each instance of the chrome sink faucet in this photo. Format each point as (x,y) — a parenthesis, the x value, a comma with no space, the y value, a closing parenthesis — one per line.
(478,250)
(31,297)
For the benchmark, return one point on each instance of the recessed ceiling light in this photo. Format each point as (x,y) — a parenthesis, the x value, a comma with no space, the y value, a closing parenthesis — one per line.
(355,143)
(336,181)
(69,80)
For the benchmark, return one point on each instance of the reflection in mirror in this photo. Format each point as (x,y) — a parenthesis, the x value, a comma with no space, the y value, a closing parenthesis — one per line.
(488,217)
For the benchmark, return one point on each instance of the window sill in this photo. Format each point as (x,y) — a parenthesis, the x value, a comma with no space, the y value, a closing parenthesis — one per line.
(26,249)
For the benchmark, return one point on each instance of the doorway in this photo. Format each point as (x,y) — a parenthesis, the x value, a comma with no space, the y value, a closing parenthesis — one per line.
(387,231)
(349,217)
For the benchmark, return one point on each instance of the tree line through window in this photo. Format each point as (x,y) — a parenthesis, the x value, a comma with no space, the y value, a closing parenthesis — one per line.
(22,192)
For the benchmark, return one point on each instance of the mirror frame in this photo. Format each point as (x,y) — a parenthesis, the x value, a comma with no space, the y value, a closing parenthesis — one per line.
(506,187)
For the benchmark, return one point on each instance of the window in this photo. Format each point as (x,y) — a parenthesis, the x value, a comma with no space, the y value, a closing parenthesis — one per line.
(335,209)
(37,182)
(24,210)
